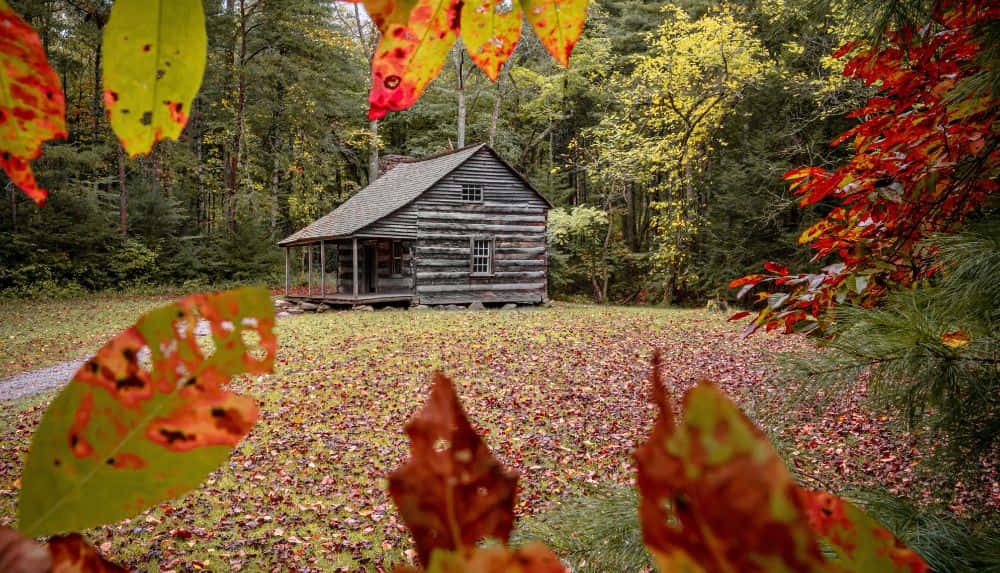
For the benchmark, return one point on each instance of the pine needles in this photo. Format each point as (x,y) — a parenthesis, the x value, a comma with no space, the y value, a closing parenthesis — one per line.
(598,534)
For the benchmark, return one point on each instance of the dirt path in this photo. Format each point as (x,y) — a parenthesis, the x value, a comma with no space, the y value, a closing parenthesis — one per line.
(55,376)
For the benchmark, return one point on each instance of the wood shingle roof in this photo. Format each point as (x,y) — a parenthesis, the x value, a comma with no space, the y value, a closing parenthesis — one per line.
(401,185)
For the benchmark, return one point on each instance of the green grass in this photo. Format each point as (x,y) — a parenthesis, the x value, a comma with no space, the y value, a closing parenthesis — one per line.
(559,394)
(37,333)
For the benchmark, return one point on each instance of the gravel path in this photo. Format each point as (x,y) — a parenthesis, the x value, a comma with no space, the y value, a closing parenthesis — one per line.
(55,376)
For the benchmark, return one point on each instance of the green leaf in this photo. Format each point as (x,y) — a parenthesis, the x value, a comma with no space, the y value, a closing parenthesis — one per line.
(32,105)
(154,59)
(120,437)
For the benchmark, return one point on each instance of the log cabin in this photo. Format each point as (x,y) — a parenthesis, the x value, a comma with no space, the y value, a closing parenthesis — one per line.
(454,228)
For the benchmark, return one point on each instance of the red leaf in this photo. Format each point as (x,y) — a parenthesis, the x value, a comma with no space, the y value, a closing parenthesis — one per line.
(32,105)
(776,268)
(416,37)
(749,279)
(452,493)
(18,554)
(489,36)
(739,315)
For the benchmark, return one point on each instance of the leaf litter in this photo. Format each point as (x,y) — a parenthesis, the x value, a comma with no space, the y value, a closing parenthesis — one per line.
(560,395)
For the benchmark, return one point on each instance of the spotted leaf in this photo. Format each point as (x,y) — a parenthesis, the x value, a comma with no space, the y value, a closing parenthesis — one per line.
(124,435)
(558,24)
(154,59)
(861,543)
(416,37)
(452,492)
(491,30)
(32,104)
(715,496)
(71,554)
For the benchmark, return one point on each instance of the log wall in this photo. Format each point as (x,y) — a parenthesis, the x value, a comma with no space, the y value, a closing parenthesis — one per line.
(511,215)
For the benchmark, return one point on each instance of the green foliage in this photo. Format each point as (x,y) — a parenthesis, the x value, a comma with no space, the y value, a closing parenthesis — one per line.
(947,544)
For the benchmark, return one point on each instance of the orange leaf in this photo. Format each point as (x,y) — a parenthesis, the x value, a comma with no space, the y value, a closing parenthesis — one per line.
(32,104)
(558,24)
(416,37)
(715,496)
(490,36)
(452,493)
(861,543)
(956,339)
(71,554)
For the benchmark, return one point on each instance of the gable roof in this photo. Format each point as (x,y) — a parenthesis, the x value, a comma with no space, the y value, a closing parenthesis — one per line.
(390,192)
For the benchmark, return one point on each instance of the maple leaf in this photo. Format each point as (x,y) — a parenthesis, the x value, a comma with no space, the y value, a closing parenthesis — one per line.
(490,36)
(32,104)
(715,496)
(452,493)
(153,64)
(121,437)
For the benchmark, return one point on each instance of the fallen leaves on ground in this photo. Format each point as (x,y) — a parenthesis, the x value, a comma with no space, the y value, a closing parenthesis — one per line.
(559,395)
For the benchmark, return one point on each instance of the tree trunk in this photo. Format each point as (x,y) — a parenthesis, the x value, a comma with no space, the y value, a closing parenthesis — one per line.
(460,73)
(122,197)
(495,115)
(373,151)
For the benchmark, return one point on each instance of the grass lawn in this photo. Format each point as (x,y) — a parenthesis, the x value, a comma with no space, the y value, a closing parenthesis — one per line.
(559,393)
(49,331)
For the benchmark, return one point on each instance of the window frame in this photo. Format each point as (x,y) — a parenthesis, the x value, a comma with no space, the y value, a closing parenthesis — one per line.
(470,184)
(490,255)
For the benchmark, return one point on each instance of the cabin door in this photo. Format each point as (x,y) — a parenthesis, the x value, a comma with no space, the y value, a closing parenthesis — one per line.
(370,273)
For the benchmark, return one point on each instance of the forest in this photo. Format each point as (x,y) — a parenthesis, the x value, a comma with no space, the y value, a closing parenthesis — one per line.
(278,136)
(764,338)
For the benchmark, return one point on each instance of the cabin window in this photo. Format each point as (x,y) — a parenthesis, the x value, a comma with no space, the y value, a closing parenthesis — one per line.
(482,256)
(397,257)
(472,192)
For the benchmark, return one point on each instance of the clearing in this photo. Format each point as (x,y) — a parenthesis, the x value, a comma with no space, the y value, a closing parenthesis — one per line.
(558,392)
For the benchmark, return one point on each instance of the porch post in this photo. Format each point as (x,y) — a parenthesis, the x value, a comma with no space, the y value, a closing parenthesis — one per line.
(309,276)
(322,268)
(354,259)
(287,270)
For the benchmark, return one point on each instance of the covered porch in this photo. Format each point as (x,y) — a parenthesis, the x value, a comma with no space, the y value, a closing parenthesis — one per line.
(350,271)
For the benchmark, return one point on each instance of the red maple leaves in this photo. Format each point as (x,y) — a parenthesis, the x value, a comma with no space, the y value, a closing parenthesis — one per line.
(926,156)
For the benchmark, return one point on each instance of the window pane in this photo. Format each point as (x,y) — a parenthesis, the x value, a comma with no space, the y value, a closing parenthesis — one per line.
(472,191)
(481,255)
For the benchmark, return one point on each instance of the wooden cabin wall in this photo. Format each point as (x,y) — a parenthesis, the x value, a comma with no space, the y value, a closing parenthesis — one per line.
(511,214)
